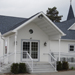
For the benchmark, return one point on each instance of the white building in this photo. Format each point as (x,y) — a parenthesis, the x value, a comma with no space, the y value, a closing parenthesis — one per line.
(37,40)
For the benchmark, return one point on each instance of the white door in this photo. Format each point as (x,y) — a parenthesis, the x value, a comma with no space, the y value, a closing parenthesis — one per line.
(32,47)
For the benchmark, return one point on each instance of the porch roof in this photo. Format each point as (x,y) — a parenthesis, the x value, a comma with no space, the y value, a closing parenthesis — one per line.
(44,23)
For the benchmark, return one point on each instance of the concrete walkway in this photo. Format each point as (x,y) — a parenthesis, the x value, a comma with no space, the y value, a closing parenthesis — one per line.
(56,73)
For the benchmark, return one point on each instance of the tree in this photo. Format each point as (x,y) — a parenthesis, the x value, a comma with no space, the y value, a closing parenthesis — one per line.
(52,14)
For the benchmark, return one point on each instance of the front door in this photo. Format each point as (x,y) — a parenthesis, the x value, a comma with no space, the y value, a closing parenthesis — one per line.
(32,47)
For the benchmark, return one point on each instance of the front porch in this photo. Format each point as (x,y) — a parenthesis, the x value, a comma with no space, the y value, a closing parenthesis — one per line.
(30,42)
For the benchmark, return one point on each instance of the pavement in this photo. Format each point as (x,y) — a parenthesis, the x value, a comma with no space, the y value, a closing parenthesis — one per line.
(55,73)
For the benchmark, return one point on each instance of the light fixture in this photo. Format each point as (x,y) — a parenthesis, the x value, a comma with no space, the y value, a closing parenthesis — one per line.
(45,44)
(40,16)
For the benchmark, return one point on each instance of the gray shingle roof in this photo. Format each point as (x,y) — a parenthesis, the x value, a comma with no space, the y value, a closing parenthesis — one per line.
(9,23)
(6,23)
(70,13)
(70,34)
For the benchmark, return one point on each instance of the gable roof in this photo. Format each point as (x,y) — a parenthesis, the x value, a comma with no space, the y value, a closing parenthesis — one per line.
(70,13)
(6,23)
(20,23)
(28,20)
(64,27)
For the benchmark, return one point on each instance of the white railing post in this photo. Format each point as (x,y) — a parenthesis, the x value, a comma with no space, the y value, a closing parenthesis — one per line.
(29,57)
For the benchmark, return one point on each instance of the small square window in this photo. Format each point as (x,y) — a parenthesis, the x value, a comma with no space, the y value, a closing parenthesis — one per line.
(71,48)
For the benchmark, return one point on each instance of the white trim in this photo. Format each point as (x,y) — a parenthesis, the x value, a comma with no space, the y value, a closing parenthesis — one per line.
(54,25)
(70,28)
(27,22)
(28,40)
(67,40)
(8,33)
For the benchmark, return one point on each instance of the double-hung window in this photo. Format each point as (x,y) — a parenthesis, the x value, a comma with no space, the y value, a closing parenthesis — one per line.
(71,48)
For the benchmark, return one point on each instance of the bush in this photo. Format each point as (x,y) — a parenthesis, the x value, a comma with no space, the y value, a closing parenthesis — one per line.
(22,68)
(59,65)
(65,65)
(14,68)
(72,68)
(19,68)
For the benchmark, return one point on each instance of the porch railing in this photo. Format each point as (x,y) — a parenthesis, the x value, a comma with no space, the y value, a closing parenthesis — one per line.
(8,59)
(69,57)
(52,61)
(4,60)
(29,60)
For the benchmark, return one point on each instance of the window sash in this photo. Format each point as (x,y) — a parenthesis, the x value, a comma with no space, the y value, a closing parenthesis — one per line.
(71,48)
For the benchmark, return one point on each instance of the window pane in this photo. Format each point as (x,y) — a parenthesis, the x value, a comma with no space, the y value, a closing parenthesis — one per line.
(71,47)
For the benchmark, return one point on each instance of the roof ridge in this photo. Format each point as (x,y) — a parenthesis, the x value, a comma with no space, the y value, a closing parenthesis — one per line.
(12,16)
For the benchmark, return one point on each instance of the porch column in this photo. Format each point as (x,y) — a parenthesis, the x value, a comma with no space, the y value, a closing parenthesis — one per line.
(59,48)
(8,46)
(8,49)
(15,46)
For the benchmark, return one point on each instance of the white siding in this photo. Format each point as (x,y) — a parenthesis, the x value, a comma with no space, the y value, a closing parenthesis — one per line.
(1,47)
(38,34)
(64,46)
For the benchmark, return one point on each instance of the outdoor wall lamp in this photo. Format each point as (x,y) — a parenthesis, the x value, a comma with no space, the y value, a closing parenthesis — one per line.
(45,44)
(40,16)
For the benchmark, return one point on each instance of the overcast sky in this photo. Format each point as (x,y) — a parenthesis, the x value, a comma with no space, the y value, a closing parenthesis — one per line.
(27,8)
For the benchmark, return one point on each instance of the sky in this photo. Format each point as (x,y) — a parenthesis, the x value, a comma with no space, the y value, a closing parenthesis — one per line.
(27,8)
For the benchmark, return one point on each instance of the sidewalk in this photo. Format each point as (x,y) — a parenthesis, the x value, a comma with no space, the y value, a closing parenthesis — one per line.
(55,73)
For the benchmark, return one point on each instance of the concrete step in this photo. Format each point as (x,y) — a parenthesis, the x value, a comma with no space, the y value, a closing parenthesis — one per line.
(42,67)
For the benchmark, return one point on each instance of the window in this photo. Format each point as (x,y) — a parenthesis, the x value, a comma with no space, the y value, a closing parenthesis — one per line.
(30,31)
(72,48)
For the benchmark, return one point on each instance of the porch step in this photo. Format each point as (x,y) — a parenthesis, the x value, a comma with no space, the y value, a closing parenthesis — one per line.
(5,68)
(42,67)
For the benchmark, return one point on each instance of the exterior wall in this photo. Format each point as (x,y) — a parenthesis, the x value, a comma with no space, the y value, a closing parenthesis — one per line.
(11,43)
(10,47)
(38,34)
(1,46)
(64,46)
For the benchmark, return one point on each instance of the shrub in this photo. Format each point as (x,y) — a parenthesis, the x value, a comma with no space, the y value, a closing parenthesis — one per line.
(59,65)
(14,68)
(22,68)
(72,68)
(65,65)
